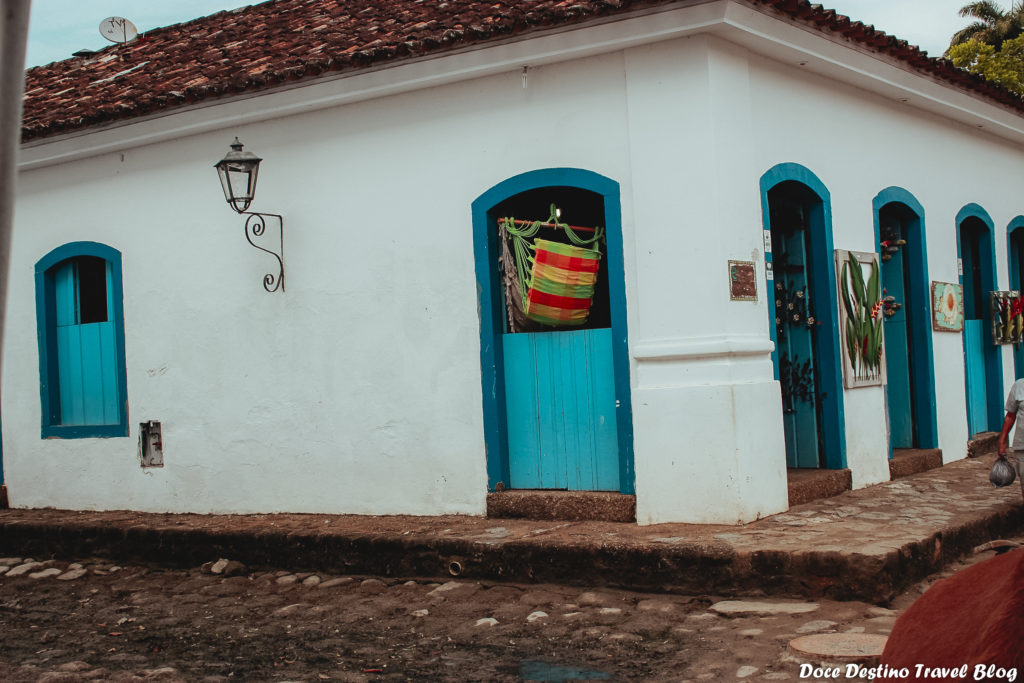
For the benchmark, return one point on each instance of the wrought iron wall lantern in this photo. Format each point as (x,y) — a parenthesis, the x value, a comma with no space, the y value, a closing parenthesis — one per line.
(238,171)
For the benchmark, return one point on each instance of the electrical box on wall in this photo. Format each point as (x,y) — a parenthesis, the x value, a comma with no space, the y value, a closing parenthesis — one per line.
(151,444)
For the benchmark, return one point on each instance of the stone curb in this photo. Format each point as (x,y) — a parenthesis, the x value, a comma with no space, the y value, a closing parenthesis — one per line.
(700,567)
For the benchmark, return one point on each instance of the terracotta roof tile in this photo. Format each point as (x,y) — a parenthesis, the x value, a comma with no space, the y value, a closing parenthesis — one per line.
(263,46)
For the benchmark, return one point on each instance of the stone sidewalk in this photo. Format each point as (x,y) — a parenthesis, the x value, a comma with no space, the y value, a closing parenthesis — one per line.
(867,544)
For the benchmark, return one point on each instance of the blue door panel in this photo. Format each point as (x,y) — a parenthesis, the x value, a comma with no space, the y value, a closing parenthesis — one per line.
(65,298)
(577,405)
(99,383)
(974,360)
(523,411)
(69,366)
(86,357)
(901,426)
(85,362)
(897,360)
(92,374)
(550,412)
(605,433)
(560,404)
(796,349)
(805,418)
(108,351)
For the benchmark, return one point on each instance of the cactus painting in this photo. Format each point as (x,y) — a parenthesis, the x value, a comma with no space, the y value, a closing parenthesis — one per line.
(861,318)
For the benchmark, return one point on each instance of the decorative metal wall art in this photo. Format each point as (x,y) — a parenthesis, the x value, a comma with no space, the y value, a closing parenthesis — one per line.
(256,227)
(1007,317)
(791,309)
(861,318)
(947,307)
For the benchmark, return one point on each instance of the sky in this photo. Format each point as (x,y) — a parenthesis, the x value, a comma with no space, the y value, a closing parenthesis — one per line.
(58,28)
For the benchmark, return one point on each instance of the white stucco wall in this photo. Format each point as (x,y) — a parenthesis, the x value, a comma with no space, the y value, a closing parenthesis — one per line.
(358,390)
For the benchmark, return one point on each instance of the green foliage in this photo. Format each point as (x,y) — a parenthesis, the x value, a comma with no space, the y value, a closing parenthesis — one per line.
(1004,66)
(993,25)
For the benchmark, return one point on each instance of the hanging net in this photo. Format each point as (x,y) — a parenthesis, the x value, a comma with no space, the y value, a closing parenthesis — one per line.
(547,282)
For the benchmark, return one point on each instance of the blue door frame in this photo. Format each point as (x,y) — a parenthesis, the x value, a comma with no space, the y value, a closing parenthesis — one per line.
(918,311)
(821,269)
(990,355)
(51,394)
(489,288)
(1015,252)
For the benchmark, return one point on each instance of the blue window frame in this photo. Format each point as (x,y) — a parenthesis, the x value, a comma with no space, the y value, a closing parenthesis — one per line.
(80,320)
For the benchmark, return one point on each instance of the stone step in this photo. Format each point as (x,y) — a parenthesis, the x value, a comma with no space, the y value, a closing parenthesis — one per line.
(908,461)
(982,443)
(568,506)
(806,485)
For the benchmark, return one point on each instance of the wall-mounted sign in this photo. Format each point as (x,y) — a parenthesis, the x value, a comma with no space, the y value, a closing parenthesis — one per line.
(947,307)
(1007,317)
(742,285)
(860,318)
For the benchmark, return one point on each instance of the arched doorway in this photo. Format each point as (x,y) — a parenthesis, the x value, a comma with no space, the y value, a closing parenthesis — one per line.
(797,220)
(982,360)
(557,410)
(1015,243)
(910,383)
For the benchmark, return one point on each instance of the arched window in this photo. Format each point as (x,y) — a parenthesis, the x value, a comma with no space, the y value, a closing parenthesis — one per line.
(80,319)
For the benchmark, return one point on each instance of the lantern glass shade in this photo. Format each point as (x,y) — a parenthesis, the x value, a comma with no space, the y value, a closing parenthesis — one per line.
(238,171)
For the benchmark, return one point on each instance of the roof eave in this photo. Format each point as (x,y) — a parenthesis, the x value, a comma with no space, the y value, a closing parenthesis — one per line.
(748,23)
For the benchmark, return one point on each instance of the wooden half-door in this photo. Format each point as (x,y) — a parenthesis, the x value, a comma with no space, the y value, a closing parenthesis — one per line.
(559,382)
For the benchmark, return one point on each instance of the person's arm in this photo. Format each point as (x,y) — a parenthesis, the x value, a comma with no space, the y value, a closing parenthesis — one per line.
(1005,434)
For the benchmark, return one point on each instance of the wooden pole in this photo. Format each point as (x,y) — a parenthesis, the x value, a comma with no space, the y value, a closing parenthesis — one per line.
(558,226)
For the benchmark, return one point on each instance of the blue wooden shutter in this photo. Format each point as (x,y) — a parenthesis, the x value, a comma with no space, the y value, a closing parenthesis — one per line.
(86,351)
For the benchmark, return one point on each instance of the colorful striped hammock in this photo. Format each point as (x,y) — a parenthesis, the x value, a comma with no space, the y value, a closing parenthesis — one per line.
(552,283)
(561,284)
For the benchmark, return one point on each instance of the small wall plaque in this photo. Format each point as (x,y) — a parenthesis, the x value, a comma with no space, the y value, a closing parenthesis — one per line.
(742,285)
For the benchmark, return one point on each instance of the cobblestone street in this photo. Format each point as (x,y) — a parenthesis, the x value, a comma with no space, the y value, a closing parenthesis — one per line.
(95,621)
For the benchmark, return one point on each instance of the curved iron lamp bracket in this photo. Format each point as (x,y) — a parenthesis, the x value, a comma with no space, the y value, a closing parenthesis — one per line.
(255,229)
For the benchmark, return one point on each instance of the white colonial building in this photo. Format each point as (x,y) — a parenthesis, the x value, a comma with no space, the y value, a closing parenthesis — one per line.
(147,367)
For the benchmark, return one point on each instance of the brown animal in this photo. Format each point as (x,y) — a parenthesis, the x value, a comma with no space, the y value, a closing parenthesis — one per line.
(967,627)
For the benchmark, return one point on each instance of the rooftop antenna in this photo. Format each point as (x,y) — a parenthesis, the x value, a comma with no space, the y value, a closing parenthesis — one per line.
(118,29)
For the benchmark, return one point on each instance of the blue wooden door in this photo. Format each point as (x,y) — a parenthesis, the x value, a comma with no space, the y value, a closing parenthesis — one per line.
(972,247)
(897,355)
(560,409)
(974,361)
(86,349)
(795,339)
